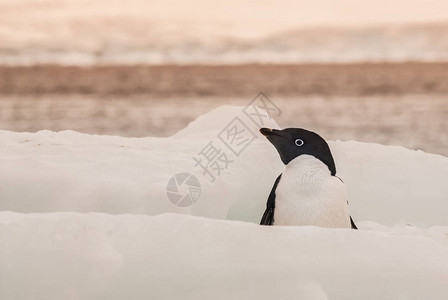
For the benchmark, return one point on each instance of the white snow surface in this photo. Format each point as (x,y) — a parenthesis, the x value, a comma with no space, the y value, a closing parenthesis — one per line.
(70,171)
(84,217)
(100,256)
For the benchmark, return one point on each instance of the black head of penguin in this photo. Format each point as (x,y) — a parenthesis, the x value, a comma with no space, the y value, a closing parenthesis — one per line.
(293,142)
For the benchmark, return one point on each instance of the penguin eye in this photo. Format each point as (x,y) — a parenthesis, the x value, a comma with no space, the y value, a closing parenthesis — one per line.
(299,142)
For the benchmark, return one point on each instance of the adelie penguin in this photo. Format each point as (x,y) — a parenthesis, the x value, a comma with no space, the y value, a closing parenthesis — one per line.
(308,192)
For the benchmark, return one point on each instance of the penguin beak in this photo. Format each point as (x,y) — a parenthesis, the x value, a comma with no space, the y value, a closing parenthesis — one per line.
(267,132)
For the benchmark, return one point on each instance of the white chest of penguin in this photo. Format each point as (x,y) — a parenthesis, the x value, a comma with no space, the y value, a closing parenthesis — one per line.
(307,194)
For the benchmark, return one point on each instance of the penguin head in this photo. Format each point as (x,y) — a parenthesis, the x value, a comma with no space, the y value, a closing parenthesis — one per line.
(293,142)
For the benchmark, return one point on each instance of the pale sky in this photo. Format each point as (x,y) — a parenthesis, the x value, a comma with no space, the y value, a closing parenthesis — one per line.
(281,12)
(36,19)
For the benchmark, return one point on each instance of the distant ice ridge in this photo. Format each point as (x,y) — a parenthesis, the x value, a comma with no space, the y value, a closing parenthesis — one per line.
(70,171)
(395,43)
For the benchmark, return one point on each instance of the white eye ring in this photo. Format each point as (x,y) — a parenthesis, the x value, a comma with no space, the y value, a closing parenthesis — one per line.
(299,142)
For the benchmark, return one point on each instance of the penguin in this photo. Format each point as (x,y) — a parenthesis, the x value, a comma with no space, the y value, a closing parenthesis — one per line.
(308,192)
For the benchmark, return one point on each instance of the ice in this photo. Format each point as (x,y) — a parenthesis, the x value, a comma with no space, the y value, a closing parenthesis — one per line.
(100,256)
(87,217)
(70,171)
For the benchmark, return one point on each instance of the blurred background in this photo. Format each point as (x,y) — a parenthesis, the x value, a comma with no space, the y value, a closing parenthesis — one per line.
(371,71)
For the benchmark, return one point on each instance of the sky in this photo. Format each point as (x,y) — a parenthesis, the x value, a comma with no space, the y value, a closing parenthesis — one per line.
(239,18)
(90,26)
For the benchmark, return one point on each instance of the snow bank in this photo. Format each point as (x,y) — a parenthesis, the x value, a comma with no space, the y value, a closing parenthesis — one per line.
(100,256)
(46,253)
(69,171)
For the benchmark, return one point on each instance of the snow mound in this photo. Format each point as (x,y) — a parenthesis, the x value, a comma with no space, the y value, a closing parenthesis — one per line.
(100,256)
(58,243)
(69,171)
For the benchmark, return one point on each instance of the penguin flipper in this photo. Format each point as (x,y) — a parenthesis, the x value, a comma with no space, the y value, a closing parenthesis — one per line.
(353,223)
(268,216)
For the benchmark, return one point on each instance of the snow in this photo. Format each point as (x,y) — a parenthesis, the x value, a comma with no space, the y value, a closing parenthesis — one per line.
(70,171)
(100,256)
(87,217)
